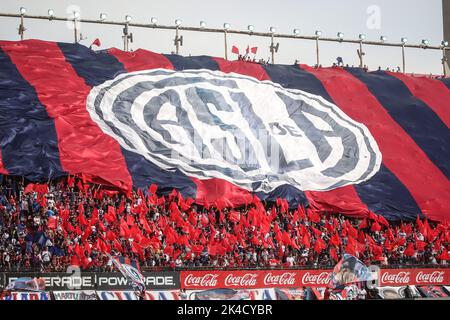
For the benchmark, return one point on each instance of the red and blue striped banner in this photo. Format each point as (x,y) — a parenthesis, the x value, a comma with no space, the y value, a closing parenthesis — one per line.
(47,130)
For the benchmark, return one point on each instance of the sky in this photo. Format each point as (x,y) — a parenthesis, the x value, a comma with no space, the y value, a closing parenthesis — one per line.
(415,19)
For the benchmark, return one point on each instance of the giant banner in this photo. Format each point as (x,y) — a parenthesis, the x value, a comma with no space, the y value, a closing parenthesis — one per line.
(337,139)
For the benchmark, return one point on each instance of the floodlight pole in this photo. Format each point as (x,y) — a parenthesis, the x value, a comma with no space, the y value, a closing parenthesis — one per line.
(444,61)
(21,28)
(125,37)
(272,49)
(177,41)
(226,43)
(403,58)
(317,51)
(75,30)
(361,55)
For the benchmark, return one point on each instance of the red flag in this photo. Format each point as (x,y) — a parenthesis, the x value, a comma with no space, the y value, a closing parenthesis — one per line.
(117,245)
(265,226)
(383,221)
(418,221)
(69,227)
(247,51)
(94,218)
(82,220)
(369,239)
(286,238)
(377,251)
(294,244)
(173,194)
(145,243)
(111,215)
(81,208)
(110,235)
(86,234)
(335,240)
(136,233)
(80,185)
(333,254)
(350,229)
(363,224)
(120,209)
(373,216)
(41,188)
(306,240)
(319,245)
(96,43)
(243,221)
(175,213)
(234,216)
(75,261)
(130,220)
(295,217)
(301,212)
(124,230)
(78,230)
(313,216)
(409,252)
(136,248)
(444,256)
(387,245)
(192,218)
(254,50)
(407,228)
(204,220)
(420,245)
(351,246)
(281,206)
(375,227)
(161,201)
(43,202)
(70,181)
(317,232)
(401,241)
(235,50)
(99,195)
(29,188)
(52,223)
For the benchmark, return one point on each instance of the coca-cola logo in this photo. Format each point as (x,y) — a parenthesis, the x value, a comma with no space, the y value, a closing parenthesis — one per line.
(401,277)
(246,280)
(207,280)
(434,277)
(321,278)
(286,278)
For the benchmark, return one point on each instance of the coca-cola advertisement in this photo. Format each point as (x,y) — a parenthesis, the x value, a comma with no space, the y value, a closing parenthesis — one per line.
(402,277)
(254,279)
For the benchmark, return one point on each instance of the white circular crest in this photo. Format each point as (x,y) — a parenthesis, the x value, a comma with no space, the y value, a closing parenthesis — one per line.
(255,134)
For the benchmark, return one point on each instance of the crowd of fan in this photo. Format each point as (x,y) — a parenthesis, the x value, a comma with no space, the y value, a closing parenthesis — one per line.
(67,222)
